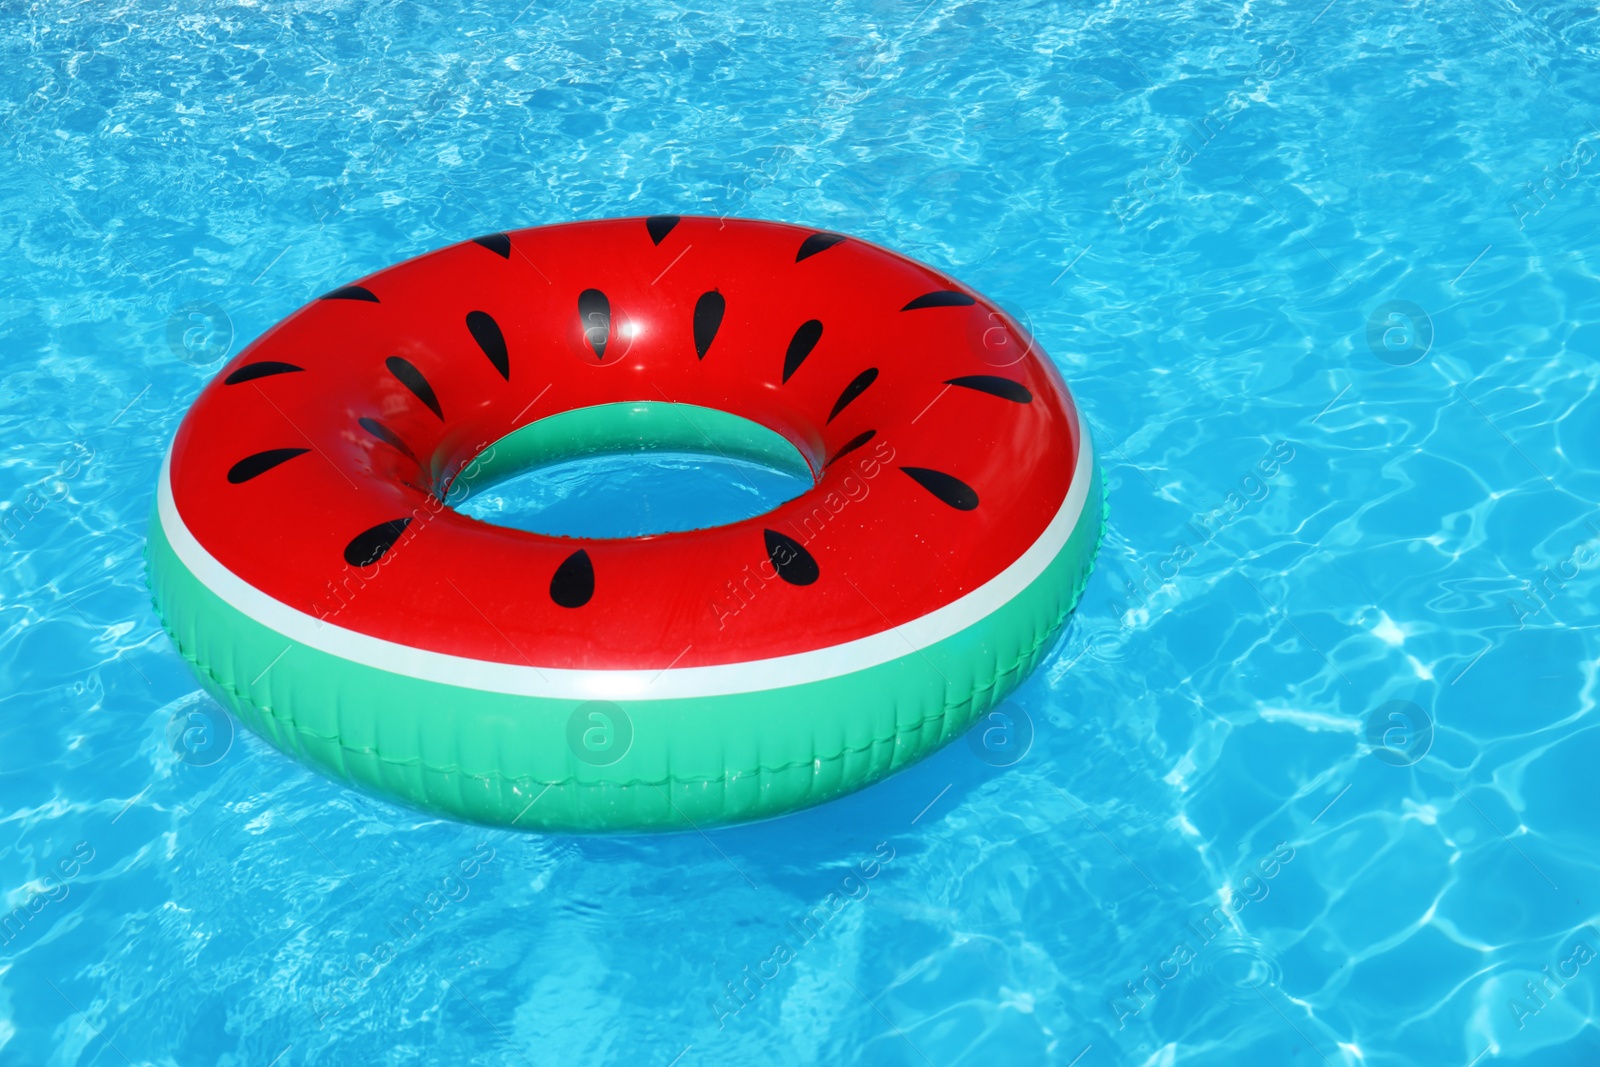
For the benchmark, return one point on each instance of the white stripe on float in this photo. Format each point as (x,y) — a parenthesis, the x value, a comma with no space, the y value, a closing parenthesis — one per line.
(651,684)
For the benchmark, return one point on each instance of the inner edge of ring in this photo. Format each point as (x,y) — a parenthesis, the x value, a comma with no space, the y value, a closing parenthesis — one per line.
(625,428)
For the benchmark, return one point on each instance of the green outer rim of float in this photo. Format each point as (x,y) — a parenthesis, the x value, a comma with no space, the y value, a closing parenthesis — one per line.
(504,758)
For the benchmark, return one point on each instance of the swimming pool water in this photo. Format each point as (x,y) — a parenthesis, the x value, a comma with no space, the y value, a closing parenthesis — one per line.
(1310,778)
(631,495)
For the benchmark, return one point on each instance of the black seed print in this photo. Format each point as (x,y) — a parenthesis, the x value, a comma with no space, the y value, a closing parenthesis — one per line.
(850,446)
(800,346)
(794,564)
(369,546)
(708,311)
(261,462)
(659,226)
(594,313)
(856,387)
(573,583)
(487,333)
(350,292)
(947,487)
(388,437)
(817,242)
(266,368)
(944,298)
(994,385)
(412,379)
(498,243)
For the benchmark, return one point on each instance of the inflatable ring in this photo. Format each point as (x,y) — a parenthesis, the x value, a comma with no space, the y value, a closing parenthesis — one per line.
(306,560)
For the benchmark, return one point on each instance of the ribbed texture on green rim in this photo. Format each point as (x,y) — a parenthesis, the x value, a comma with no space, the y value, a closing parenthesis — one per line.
(504,759)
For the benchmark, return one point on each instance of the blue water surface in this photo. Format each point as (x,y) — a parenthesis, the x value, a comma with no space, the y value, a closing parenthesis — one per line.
(1311,778)
(632,494)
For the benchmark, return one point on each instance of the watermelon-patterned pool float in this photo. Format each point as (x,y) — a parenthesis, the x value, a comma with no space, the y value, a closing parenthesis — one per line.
(306,559)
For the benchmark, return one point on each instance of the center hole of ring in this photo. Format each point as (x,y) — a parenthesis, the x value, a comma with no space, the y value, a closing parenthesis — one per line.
(630,470)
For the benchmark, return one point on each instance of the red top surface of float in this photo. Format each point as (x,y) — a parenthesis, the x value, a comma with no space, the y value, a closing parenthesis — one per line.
(279,472)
